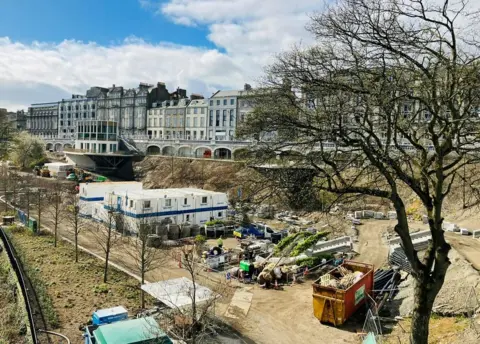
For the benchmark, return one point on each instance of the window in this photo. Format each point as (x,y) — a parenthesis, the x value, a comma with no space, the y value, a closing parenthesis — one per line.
(220,214)
(195,110)
(202,122)
(232,117)
(72,130)
(187,217)
(224,119)
(93,114)
(232,101)
(187,124)
(195,122)
(61,108)
(93,106)
(131,203)
(202,111)
(210,121)
(218,101)
(84,107)
(168,202)
(68,116)
(76,115)
(224,102)
(146,204)
(217,119)
(76,107)
(61,122)
(61,115)
(84,115)
(69,108)
(204,200)
(185,201)
(211,102)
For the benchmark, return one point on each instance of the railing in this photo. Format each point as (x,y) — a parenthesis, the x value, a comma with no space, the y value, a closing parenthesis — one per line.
(86,151)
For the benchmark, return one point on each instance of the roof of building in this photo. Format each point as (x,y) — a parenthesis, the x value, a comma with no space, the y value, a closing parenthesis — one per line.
(231,93)
(198,102)
(163,193)
(135,331)
(176,293)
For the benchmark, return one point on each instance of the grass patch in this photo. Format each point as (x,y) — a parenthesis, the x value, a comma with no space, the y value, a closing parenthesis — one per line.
(14,325)
(34,275)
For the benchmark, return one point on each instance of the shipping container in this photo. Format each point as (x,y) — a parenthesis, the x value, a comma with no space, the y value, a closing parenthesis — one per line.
(335,305)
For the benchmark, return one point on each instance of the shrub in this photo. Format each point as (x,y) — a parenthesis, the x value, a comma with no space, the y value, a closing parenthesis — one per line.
(200,239)
(214,222)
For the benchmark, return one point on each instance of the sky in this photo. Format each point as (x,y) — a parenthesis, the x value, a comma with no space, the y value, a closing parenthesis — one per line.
(51,49)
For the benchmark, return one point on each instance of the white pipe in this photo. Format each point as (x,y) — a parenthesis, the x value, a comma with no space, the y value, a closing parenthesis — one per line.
(56,334)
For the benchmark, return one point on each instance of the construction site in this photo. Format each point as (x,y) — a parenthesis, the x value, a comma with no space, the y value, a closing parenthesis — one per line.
(341,275)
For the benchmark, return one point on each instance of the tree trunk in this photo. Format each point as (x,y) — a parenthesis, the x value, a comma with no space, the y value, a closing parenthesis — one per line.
(55,233)
(105,270)
(421,312)
(141,290)
(76,246)
(107,253)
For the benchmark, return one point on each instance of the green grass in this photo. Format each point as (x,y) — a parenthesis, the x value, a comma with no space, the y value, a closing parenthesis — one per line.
(34,275)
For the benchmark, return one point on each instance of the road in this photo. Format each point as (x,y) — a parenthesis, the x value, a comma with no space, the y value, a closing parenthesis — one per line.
(371,245)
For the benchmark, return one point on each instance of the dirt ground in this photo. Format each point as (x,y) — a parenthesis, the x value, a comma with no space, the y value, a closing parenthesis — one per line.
(371,246)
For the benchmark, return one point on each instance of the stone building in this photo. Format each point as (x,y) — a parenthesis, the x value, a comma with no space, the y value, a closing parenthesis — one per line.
(226,109)
(70,111)
(42,120)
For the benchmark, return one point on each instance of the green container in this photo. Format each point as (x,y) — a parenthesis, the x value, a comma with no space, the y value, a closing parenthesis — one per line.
(32,224)
(245,266)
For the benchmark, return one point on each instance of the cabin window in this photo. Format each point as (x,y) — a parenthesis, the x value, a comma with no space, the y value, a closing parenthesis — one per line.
(187,218)
(185,201)
(146,204)
(204,199)
(131,203)
(220,214)
(168,202)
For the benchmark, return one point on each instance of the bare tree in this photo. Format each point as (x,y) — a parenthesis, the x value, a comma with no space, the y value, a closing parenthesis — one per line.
(74,219)
(385,101)
(194,324)
(146,258)
(55,207)
(105,236)
(39,201)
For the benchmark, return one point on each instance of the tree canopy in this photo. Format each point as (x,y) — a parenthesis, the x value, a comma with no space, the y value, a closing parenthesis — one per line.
(386,99)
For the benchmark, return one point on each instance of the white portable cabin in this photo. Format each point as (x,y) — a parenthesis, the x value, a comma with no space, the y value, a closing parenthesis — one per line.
(91,193)
(195,206)
(59,169)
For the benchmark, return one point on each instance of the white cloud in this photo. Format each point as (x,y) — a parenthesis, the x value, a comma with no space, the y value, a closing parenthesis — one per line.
(249,32)
(72,67)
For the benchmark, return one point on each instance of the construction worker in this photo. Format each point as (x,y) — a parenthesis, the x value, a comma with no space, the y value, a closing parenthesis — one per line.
(220,242)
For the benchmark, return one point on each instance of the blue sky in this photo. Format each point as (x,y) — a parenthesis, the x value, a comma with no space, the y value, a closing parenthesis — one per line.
(50,49)
(101,21)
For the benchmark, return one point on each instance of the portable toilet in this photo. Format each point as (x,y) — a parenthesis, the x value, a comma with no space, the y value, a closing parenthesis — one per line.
(109,315)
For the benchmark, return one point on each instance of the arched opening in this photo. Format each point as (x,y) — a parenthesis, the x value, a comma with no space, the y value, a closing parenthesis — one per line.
(67,146)
(168,150)
(58,147)
(222,153)
(203,152)
(49,146)
(153,150)
(186,152)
